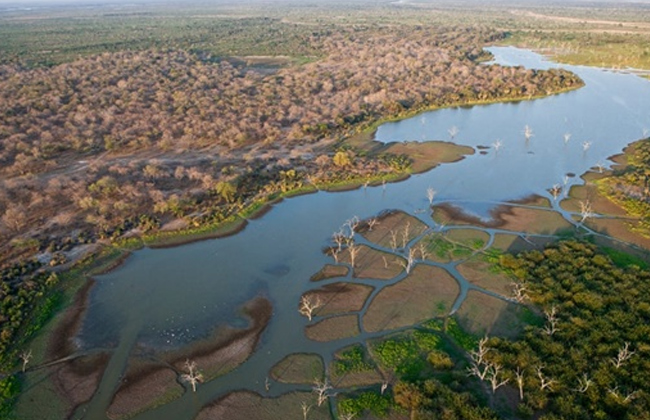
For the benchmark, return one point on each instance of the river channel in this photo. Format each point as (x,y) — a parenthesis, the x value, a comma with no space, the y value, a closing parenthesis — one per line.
(167,298)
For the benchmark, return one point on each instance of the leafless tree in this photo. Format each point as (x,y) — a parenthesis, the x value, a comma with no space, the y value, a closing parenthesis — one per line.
(584,383)
(405,234)
(347,416)
(543,381)
(385,261)
(528,132)
(646,131)
(431,193)
(453,131)
(556,191)
(371,223)
(586,145)
(423,251)
(586,210)
(25,356)
(305,410)
(566,180)
(551,318)
(567,137)
(193,376)
(354,251)
(410,260)
(352,225)
(384,386)
(480,366)
(600,167)
(267,384)
(497,145)
(493,377)
(393,240)
(621,397)
(339,239)
(624,353)
(322,390)
(519,291)
(308,305)
(519,378)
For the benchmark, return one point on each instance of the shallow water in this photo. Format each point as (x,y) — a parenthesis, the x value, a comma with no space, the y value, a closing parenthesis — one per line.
(168,297)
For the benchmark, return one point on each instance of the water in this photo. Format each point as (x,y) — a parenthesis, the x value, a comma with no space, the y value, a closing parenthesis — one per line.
(166,298)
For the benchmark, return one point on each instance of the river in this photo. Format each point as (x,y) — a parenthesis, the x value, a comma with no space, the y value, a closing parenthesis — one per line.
(166,298)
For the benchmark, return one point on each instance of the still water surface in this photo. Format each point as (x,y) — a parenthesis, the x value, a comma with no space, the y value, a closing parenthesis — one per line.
(169,297)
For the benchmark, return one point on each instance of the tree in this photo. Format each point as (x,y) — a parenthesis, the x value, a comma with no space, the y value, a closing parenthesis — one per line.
(453,132)
(25,356)
(322,390)
(528,133)
(431,193)
(409,397)
(226,190)
(193,376)
(308,305)
(341,159)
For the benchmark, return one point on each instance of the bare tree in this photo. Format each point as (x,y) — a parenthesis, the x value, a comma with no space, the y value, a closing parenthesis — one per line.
(493,377)
(25,356)
(385,261)
(405,234)
(528,132)
(519,292)
(453,131)
(322,390)
(519,378)
(497,145)
(431,193)
(567,137)
(586,145)
(267,384)
(347,416)
(305,410)
(543,381)
(556,191)
(384,386)
(423,251)
(193,376)
(352,225)
(410,260)
(339,239)
(551,318)
(624,354)
(480,366)
(645,132)
(600,167)
(584,383)
(371,223)
(308,306)
(585,210)
(354,251)
(393,240)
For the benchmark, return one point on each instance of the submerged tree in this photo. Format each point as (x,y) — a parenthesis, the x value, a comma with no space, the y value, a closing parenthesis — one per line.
(308,305)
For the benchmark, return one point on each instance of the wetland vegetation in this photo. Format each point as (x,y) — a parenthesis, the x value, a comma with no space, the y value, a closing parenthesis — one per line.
(123,128)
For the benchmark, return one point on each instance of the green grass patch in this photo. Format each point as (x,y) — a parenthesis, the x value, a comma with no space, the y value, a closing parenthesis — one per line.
(368,401)
(463,338)
(623,259)
(351,360)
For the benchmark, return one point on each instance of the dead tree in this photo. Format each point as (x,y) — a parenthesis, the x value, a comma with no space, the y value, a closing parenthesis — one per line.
(305,410)
(193,376)
(25,356)
(584,383)
(339,239)
(624,354)
(585,210)
(453,131)
(480,366)
(519,292)
(371,223)
(393,240)
(551,316)
(354,251)
(556,191)
(384,386)
(528,133)
(267,384)
(567,137)
(410,261)
(431,193)
(543,381)
(322,390)
(493,377)
(423,251)
(347,416)
(308,306)
(405,234)
(586,145)
(600,167)
(352,225)
(497,145)
(519,378)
